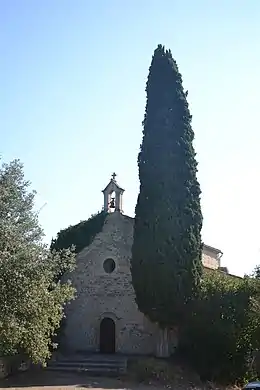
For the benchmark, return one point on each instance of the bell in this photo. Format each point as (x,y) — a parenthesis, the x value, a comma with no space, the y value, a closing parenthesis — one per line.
(112,203)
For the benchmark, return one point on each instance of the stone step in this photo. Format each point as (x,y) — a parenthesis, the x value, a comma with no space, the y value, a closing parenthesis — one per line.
(89,360)
(96,366)
(87,364)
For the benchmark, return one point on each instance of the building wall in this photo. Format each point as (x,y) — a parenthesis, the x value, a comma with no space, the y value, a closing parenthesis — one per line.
(111,295)
(210,258)
(102,295)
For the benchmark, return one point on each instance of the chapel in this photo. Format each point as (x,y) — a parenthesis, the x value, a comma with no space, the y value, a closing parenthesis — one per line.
(104,316)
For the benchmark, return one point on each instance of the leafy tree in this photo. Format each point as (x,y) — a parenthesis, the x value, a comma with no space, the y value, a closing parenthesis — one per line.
(256,273)
(31,298)
(166,254)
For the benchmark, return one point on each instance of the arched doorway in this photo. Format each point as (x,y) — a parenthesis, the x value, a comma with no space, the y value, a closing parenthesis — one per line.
(107,338)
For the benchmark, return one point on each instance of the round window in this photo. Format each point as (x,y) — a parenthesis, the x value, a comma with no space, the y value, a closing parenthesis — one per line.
(109,266)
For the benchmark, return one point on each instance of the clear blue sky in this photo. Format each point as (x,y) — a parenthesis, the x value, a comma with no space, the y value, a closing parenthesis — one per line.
(72,96)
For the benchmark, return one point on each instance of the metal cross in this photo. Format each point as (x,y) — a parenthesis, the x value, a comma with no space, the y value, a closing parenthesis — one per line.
(114,176)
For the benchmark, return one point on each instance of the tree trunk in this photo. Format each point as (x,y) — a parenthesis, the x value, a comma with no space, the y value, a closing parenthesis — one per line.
(162,346)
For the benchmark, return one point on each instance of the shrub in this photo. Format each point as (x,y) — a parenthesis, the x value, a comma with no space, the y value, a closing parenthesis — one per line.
(169,373)
(223,329)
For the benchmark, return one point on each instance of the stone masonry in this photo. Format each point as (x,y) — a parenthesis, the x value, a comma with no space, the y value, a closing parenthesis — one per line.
(110,295)
(101,295)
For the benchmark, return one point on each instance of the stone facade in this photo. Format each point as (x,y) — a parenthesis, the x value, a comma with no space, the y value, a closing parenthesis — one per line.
(101,294)
(211,257)
(108,293)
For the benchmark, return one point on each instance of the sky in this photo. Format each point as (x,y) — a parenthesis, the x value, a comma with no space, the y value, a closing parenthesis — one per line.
(72,99)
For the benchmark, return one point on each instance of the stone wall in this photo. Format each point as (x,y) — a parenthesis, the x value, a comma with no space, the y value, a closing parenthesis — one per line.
(210,258)
(111,295)
(100,294)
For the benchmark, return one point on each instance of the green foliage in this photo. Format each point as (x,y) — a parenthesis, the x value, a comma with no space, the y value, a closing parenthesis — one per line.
(152,370)
(223,330)
(166,254)
(256,273)
(165,372)
(76,237)
(31,300)
(80,235)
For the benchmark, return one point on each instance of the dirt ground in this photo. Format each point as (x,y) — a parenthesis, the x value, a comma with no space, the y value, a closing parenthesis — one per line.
(49,380)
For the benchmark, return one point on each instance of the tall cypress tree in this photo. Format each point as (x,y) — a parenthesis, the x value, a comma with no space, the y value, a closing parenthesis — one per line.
(166,254)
